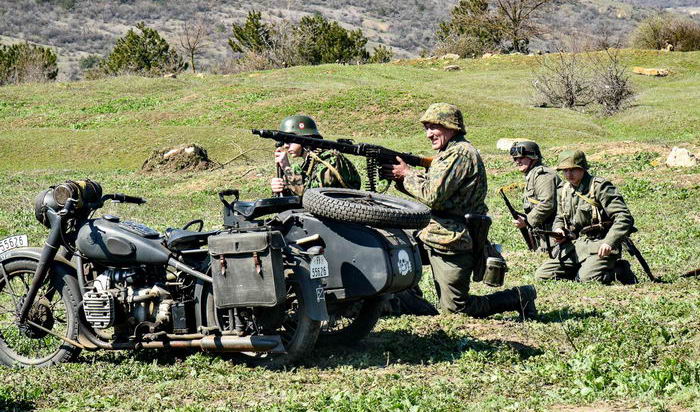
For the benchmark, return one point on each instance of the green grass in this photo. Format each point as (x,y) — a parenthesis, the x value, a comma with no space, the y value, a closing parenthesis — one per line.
(607,348)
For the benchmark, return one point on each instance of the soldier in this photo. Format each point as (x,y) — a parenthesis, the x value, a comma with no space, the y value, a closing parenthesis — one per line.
(318,169)
(455,185)
(592,212)
(540,194)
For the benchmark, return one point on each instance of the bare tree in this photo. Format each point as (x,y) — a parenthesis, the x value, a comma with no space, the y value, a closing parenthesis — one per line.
(193,38)
(517,24)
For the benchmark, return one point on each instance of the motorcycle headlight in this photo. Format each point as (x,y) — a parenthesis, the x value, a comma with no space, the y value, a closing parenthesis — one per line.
(84,191)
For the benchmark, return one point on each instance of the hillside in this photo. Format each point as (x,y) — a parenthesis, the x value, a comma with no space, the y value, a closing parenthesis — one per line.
(594,347)
(81,28)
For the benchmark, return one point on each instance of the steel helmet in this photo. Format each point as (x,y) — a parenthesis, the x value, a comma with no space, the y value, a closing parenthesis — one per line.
(446,115)
(526,148)
(299,124)
(572,159)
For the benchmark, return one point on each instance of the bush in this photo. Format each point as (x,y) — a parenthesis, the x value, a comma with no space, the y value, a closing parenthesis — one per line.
(612,88)
(563,81)
(382,54)
(25,62)
(570,80)
(314,40)
(471,31)
(144,54)
(324,41)
(660,31)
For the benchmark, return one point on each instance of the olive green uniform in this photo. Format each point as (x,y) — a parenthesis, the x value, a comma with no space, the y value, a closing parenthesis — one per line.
(325,169)
(540,199)
(594,201)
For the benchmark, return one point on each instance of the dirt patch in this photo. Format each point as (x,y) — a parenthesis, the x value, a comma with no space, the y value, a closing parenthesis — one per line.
(182,158)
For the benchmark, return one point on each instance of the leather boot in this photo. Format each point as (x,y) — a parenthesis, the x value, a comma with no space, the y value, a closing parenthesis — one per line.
(520,299)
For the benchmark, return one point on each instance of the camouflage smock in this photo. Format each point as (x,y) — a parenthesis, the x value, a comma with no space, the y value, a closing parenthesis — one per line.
(576,211)
(315,172)
(540,196)
(454,185)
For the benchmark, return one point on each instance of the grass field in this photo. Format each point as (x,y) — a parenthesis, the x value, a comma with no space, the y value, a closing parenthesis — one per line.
(593,347)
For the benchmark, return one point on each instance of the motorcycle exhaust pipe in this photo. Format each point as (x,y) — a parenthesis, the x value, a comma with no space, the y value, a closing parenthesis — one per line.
(272,344)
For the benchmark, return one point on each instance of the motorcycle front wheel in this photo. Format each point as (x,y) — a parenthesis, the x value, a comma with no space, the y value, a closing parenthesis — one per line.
(298,331)
(55,309)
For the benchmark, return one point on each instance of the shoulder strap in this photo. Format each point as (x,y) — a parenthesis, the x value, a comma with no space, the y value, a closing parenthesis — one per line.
(330,168)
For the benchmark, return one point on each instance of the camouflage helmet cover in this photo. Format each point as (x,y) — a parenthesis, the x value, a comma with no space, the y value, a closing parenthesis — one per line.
(526,148)
(300,125)
(571,159)
(446,115)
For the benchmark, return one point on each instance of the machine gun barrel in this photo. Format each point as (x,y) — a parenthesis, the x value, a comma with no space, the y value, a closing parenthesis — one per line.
(382,154)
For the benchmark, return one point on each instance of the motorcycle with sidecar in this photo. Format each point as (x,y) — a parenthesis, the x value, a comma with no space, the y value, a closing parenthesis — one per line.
(263,287)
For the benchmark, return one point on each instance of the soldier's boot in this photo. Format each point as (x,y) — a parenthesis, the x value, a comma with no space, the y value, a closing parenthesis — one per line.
(520,299)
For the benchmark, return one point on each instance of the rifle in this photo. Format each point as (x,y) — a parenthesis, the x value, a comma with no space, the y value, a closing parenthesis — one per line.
(556,250)
(375,154)
(627,244)
(632,250)
(526,232)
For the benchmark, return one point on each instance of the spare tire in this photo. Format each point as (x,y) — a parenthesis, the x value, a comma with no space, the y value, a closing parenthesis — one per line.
(372,209)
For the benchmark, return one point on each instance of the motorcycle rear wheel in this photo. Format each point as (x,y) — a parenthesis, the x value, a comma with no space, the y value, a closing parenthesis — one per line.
(55,308)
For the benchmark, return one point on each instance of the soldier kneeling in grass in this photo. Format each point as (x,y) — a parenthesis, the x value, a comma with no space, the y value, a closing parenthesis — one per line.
(592,222)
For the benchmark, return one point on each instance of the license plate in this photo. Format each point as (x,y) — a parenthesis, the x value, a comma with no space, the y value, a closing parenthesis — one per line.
(318,267)
(13,242)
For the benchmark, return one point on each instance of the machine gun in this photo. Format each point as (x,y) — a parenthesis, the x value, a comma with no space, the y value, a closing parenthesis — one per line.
(376,155)
(527,232)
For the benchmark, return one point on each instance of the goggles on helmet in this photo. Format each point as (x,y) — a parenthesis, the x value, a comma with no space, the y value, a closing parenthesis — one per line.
(520,151)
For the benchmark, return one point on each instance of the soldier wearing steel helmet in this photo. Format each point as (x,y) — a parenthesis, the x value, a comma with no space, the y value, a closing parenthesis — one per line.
(454,185)
(540,193)
(592,219)
(318,168)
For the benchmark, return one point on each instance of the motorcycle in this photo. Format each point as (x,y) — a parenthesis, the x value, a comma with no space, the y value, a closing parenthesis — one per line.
(108,284)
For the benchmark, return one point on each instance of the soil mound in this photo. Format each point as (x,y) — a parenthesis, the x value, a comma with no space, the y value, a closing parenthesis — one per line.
(182,158)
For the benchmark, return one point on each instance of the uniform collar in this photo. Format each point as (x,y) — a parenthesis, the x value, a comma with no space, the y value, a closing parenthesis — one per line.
(532,170)
(459,138)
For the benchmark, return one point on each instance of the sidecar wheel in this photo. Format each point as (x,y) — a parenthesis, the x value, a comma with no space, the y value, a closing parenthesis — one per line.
(373,209)
(298,331)
(55,309)
(351,323)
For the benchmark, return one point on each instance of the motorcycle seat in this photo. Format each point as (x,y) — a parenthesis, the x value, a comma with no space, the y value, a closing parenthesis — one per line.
(262,207)
(178,239)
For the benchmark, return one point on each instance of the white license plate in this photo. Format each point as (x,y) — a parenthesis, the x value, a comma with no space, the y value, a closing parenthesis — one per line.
(318,267)
(13,242)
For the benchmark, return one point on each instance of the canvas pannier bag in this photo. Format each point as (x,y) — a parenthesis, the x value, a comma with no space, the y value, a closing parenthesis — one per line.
(247,269)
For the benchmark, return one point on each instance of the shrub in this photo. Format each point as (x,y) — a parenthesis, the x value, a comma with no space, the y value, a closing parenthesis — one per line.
(25,62)
(612,88)
(314,40)
(471,31)
(325,41)
(563,81)
(144,54)
(570,80)
(381,54)
(660,31)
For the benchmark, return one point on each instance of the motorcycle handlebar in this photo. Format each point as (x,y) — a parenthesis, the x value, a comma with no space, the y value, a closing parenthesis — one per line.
(122,198)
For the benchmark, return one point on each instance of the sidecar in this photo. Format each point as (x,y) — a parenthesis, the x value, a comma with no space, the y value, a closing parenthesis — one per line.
(368,252)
